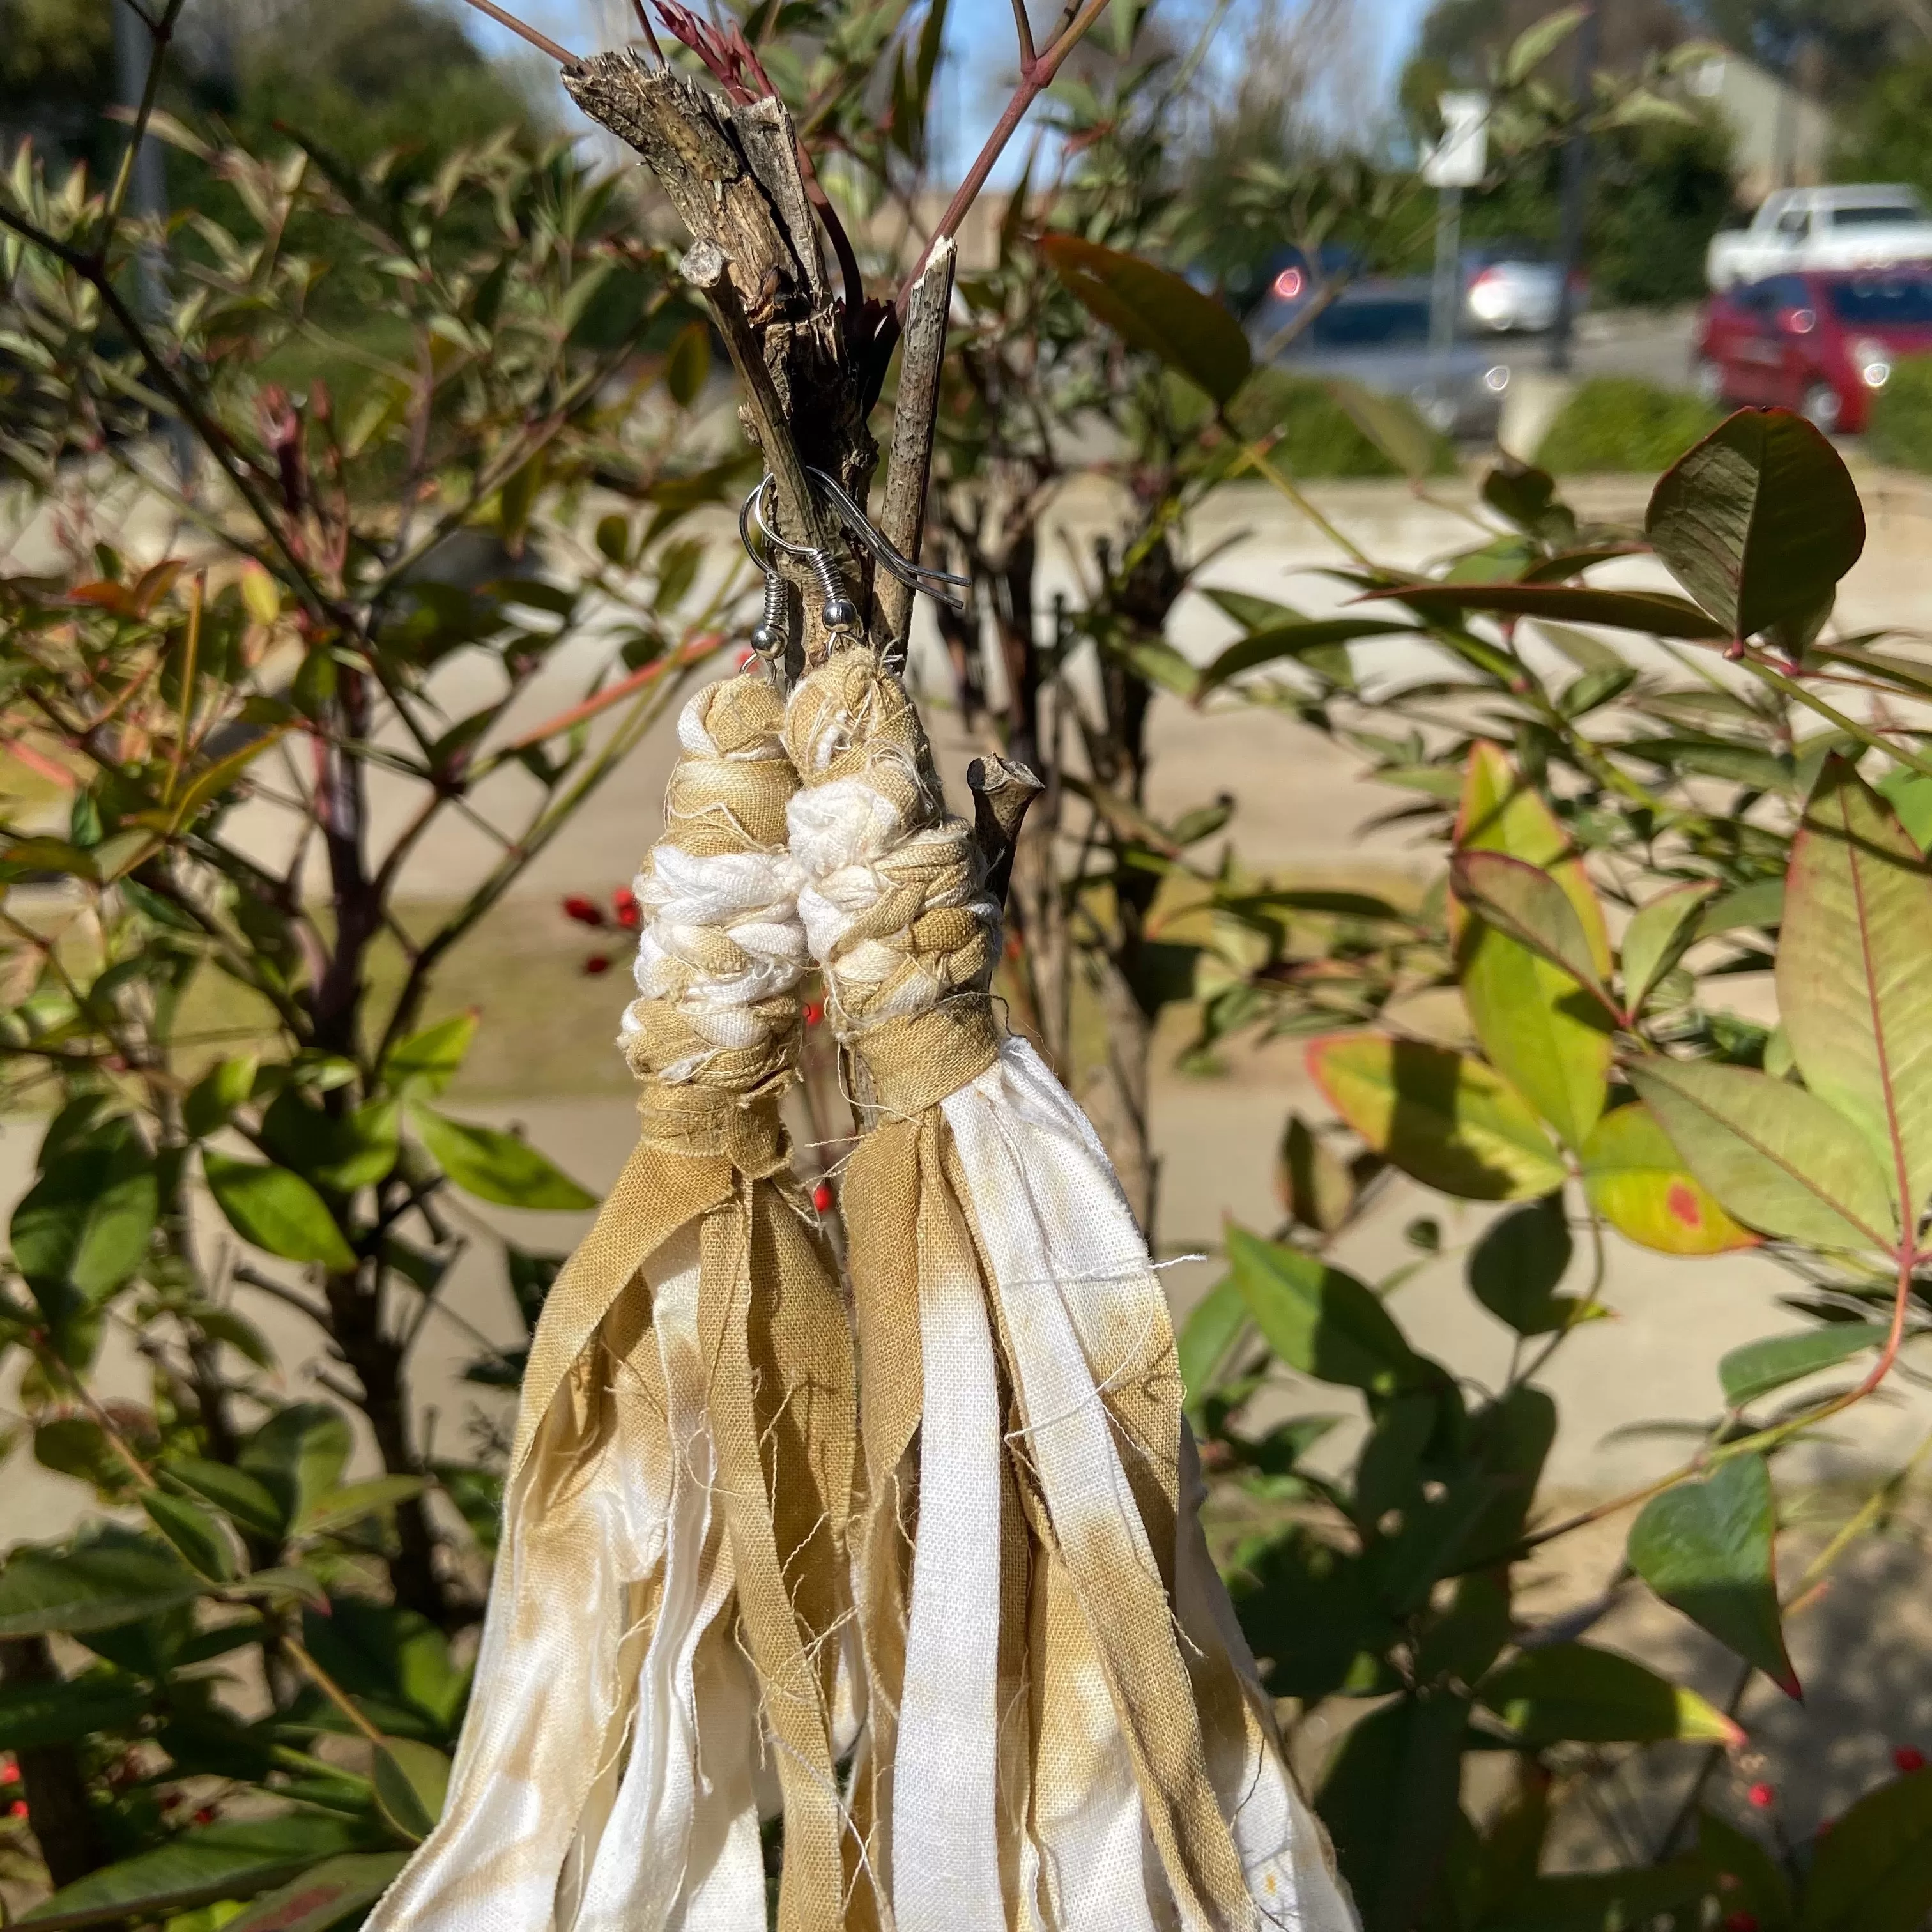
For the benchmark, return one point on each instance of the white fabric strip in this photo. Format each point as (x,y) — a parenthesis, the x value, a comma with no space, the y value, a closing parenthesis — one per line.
(945,1828)
(1072,1275)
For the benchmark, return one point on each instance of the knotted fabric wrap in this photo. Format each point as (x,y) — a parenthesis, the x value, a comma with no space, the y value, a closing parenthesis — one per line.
(663,1626)
(1064,1731)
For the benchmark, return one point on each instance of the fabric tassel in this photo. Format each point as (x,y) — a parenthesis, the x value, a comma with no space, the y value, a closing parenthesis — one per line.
(1065,1733)
(671,1584)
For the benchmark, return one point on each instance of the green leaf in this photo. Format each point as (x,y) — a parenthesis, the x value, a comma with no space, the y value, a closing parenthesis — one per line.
(1873,1870)
(298,1456)
(1515,1269)
(1759,1367)
(1775,1156)
(83,1228)
(113,1576)
(193,1532)
(1301,639)
(212,1101)
(1536,43)
(688,366)
(325,1896)
(1390,1799)
(1209,1332)
(1320,1321)
(1707,1547)
(1655,612)
(1544,1034)
(1153,309)
(335,1508)
(427,1061)
(244,1498)
(231,1858)
(1853,990)
(1660,931)
(1760,904)
(1637,1180)
(1441,1116)
(276,1210)
(1529,905)
(1399,434)
(412,1781)
(60,1711)
(1574,1693)
(1759,521)
(1313,1183)
(339,1152)
(496,1166)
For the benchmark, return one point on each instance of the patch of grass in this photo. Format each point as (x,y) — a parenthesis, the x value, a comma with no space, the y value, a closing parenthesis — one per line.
(1900,431)
(1623,423)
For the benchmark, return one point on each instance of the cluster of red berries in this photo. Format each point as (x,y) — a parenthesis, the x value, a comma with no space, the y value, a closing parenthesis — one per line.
(624,913)
(10,1774)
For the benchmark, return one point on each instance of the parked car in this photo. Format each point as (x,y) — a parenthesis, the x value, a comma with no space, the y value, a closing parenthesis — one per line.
(1376,331)
(1512,287)
(1872,226)
(1822,343)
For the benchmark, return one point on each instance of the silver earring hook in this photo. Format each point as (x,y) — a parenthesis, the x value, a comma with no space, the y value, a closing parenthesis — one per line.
(771,633)
(838,612)
(914,576)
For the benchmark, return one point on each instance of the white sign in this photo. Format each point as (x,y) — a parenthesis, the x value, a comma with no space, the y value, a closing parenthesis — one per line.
(1462,158)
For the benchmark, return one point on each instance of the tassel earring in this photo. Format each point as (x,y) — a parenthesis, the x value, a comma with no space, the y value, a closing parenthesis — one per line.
(1064,1727)
(665,1624)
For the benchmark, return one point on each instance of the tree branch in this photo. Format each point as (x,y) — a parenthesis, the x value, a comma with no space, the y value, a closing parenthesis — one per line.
(915,415)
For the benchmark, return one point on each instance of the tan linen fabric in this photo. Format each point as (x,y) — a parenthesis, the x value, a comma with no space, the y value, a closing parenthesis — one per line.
(1064,1732)
(664,1620)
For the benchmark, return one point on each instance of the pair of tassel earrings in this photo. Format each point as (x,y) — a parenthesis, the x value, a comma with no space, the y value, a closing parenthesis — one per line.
(922,1571)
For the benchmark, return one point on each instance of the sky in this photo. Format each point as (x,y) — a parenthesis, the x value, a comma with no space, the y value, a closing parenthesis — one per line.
(979,40)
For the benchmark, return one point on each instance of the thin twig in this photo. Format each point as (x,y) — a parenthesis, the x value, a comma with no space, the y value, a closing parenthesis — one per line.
(915,417)
(542,42)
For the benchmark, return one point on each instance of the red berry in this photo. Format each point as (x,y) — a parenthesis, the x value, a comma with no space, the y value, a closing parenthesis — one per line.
(814,1012)
(1741,1921)
(10,1768)
(584,911)
(1764,1796)
(18,1809)
(205,1816)
(624,905)
(1909,1757)
(598,962)
(821,1197)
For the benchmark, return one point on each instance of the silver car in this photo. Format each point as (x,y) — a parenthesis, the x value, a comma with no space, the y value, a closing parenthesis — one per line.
(1509,292)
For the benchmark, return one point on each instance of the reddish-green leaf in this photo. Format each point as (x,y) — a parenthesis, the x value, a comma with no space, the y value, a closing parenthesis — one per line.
(1759,521)
(1708,1548)
(1655,612)
(1548,1037)
(1854,972)
(1443,1116)
(1155,311)
(324,1897)
(1775,1156)
(1638,1182)
(1525,901)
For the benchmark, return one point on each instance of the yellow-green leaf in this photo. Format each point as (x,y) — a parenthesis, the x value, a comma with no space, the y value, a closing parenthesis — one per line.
(1637,1180)
(1660,931)
(1442,1117)
(1574,1693)
(1543,1033)
(276,1210)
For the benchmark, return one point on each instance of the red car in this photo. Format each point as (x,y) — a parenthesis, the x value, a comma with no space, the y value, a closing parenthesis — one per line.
(1823,344)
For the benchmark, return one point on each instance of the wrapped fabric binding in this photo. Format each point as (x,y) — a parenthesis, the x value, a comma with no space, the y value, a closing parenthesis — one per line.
(1064,1729)
(663,1627)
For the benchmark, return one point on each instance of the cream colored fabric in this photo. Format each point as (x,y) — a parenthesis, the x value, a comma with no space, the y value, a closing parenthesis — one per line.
(1026,1557)
(664,1622)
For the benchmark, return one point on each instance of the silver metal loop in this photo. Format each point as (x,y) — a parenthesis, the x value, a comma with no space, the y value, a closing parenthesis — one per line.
(914,576)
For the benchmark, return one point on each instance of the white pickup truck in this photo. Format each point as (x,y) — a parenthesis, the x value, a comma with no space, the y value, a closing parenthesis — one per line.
(1869,226)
